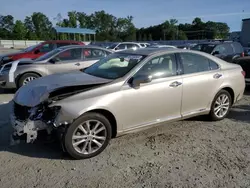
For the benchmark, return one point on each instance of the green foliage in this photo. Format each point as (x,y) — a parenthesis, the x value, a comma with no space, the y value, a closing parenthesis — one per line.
(108,28)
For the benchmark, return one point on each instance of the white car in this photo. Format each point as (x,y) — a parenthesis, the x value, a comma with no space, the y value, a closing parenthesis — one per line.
(124,46)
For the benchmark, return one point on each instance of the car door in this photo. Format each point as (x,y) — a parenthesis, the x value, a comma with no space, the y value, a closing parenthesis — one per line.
(201,79)
(66,61)
(91,56)
(156,101)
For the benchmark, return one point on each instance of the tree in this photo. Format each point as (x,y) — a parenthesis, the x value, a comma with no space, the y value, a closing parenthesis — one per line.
(42,26)
(6,26)
(19,30)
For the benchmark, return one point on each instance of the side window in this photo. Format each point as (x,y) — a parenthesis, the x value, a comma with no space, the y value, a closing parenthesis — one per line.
(194,63)
(47,47)
(221,49)
(160,67)
(229,49)
(213,65)
(237,48)
(62,44)
(69,55)
(130,46)
(93,53)
(121,46)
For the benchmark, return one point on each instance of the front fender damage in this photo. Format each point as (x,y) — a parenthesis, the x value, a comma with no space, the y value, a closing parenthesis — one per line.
(28,120)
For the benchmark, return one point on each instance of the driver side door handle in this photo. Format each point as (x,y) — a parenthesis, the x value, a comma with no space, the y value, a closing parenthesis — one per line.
(175,84)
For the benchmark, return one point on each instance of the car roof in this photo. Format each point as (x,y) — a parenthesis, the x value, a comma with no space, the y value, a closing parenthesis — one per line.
(150,51)
(62,41)
(84,46)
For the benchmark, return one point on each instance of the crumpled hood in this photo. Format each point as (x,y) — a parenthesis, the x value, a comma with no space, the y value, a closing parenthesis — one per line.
(38,90)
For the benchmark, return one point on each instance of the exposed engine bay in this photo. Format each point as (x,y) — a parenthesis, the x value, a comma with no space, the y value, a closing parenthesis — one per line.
(28,121)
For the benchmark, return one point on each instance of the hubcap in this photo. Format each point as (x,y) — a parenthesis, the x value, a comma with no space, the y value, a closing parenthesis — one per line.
(89,137)
(28,79)
(221,106)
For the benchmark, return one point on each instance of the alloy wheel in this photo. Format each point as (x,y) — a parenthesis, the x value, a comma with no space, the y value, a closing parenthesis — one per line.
(28,79)
(221,105)
(89,137)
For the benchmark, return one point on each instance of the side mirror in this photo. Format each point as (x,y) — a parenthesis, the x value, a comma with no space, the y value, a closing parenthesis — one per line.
(216,53)
(37,51)
(52,60)
(140,79)
(116,48)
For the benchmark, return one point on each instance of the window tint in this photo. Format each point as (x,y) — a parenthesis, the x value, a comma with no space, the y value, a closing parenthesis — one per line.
(130,46)
(68,55)
(220,48)
(47,47)
(122,46)
(193,63)
(62,44)
(160,67)
(237,48)
(213,65)
(93,53)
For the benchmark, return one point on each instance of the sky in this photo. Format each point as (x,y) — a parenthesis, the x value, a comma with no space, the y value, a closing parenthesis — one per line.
(145,12)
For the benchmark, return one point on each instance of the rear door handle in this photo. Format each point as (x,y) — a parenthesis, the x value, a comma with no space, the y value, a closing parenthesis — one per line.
(175,84)
(217,76)
(77,64)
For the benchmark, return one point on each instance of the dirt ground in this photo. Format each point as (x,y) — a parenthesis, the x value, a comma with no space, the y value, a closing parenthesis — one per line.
(190,153)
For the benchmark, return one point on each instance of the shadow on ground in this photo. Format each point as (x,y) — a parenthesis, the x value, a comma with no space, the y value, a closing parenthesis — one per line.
(7,91)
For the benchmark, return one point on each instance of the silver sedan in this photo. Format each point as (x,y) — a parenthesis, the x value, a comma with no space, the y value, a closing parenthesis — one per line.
(125,92)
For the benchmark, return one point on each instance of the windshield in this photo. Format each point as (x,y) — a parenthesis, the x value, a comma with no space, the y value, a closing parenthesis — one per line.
(112,46)
(208,48)
(30,48)
(114,66)
(48,55)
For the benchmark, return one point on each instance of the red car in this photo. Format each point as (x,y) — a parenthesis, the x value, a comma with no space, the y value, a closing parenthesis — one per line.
(36,51)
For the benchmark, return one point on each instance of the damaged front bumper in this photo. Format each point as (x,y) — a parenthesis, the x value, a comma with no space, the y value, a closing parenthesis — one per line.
(27,122)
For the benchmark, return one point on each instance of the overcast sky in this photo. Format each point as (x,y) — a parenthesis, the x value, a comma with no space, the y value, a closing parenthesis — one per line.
(145,12)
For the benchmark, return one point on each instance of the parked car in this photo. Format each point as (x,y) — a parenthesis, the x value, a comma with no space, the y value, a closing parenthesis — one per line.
(68,58)
(125,92)
(187,46)
(36,51)
(124,46)
(244,62)
(228,51)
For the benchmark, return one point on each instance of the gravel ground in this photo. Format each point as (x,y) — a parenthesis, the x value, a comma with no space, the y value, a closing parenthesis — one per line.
(190,153)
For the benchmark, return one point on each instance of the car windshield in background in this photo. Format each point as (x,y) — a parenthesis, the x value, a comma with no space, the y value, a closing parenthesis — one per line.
(208,48)
(30,48)
(114,66)
(49,54)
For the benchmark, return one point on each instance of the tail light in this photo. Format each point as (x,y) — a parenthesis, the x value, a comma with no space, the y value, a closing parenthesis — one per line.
(242,54)
(243,73)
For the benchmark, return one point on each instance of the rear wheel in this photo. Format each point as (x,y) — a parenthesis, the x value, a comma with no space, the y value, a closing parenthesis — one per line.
(221,105)
(87,136)
(26,78)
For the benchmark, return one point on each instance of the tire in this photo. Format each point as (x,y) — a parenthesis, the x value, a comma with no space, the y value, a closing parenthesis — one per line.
(90,138)
(214,107)
(26,76)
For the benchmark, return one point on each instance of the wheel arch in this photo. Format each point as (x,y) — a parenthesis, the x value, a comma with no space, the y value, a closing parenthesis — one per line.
(21,74)
(110,116)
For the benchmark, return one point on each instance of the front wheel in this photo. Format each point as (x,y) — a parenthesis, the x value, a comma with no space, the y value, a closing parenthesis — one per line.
(87,136)
(26,78)
(221,105)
